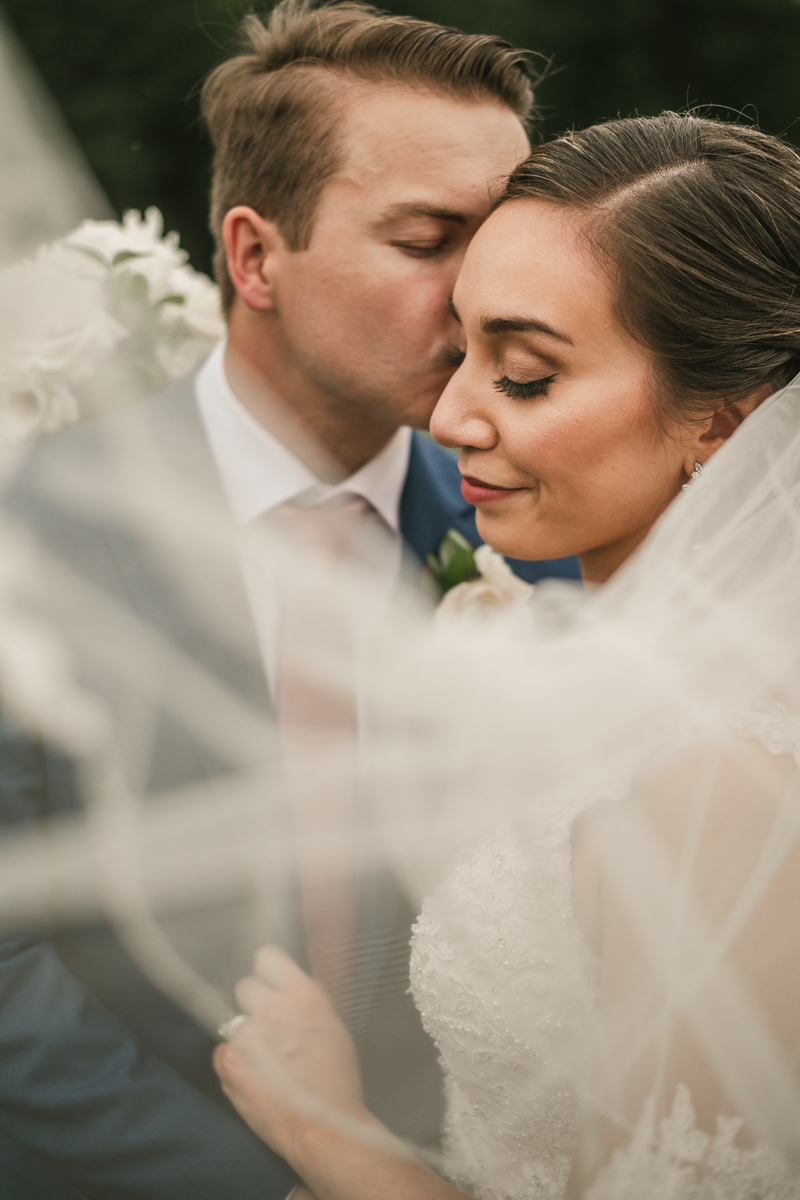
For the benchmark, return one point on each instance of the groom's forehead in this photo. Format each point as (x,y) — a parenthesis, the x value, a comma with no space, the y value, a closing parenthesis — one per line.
(441,180)
(389,131)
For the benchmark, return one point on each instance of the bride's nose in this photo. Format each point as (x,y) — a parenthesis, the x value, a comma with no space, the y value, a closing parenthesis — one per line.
(459,418)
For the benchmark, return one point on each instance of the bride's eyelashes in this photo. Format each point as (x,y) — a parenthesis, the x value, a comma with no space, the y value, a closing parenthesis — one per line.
(523,389)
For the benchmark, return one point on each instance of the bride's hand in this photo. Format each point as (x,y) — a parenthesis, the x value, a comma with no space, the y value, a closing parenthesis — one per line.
(291,1060)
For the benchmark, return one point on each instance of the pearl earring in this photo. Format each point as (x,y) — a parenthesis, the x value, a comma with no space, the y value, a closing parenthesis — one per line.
(698,468)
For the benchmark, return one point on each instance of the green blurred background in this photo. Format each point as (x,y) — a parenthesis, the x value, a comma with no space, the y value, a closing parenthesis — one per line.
(126,73)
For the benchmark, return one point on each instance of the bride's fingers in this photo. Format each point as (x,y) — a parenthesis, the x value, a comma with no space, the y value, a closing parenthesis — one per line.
(278,969)
(279,993)
(226,1063)
(242,1087)
(235,1072)
(255,999)
(250,1093)
(280,972)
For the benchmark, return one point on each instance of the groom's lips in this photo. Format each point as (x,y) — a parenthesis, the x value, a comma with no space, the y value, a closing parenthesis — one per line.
(477,491)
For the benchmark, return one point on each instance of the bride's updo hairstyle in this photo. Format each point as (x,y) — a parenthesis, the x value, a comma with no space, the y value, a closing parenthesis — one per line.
(698,223)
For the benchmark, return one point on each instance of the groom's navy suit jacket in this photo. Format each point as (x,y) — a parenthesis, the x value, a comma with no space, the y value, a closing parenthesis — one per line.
(106,1087)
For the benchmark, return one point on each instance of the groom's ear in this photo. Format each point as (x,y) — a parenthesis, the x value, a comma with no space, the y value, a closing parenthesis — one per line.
(251,245)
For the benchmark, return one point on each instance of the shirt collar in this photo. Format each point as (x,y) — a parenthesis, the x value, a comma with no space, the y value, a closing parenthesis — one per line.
(259,473)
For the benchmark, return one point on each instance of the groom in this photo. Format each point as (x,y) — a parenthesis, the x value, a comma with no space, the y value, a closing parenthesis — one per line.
(355,156)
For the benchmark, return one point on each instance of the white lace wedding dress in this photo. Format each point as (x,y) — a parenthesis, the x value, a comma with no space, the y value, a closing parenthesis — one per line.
(504,981)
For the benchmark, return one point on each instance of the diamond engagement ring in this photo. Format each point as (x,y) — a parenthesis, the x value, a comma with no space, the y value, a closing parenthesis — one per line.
(228,1028)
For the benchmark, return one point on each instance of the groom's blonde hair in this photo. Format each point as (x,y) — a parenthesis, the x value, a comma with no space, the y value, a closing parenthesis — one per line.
(273,110)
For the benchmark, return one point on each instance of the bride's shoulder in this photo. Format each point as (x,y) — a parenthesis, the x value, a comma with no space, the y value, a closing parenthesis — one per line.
(694,876)
(691,832)
(724,794)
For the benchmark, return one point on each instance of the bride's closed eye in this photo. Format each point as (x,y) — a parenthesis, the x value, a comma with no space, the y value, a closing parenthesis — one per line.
(520,389)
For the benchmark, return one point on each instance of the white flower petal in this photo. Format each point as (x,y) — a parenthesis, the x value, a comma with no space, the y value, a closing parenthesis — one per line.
(496,571)
(75,329)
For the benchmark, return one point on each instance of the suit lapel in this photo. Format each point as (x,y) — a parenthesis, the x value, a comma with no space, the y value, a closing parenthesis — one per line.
(198,598)
(431,502)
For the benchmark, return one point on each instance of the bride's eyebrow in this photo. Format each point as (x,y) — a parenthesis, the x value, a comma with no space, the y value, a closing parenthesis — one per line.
(523,325)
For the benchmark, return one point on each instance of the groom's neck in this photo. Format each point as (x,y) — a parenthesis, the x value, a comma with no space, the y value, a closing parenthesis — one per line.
(327,430)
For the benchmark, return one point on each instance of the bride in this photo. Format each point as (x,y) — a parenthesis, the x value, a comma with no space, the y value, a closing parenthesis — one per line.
(611,973)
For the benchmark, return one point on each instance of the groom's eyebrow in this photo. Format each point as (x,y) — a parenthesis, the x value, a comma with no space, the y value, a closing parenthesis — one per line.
(523,325)
(414,209)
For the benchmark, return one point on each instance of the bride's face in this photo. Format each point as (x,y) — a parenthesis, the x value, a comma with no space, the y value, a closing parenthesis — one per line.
(561,448)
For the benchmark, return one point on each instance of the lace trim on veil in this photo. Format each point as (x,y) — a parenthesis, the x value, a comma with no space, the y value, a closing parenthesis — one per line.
(673,1160)
(773,724)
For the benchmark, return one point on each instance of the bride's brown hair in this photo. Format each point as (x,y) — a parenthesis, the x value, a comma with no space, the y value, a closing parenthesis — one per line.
(698,223)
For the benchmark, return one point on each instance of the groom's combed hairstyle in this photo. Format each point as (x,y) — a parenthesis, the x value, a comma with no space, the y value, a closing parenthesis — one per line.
(273,110)
(698,223)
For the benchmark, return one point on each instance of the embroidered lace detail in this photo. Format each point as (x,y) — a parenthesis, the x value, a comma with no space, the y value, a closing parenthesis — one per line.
(501,976)
(504,983)
(673,1160)
(775,726)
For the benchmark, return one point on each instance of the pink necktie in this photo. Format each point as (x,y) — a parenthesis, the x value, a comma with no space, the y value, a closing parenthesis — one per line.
(318,727)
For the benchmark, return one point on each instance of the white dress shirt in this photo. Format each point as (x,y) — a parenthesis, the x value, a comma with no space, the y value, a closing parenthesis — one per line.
(259,474)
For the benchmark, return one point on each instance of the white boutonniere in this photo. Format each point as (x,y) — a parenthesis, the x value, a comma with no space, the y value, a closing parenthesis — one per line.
(474,580)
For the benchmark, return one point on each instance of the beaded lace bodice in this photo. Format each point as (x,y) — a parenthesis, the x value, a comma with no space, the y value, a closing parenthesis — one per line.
(494,946)
(503,980)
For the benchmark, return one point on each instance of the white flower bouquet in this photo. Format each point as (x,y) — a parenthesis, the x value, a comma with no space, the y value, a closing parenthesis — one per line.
(106,315)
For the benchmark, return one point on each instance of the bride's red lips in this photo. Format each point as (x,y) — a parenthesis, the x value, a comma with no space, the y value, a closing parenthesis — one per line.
(477,491)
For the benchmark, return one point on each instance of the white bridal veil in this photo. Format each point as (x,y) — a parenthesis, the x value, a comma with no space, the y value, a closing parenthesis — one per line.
(663,710)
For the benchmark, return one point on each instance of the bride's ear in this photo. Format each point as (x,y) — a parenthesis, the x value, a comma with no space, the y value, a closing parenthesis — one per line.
(716,429)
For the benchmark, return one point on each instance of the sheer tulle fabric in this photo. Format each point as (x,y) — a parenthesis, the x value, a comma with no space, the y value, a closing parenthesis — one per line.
(624,760)
(593,802)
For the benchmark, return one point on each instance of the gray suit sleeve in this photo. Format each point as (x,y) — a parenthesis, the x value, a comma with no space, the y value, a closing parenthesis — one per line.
(80,1093)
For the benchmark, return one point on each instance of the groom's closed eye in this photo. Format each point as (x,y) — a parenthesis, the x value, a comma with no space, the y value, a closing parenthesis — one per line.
(420,230)
(457,354)
(421,249)
(454,356)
